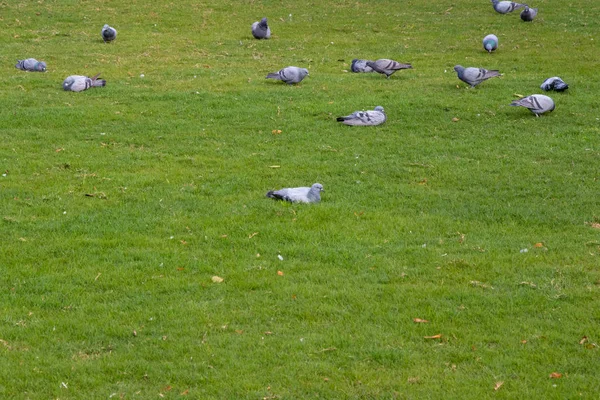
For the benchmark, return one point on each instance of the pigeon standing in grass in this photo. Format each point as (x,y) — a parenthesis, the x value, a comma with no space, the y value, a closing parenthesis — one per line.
(289,75)
(387,67)
(490,43)
(505,7)
(298,195)
(365,118)
(108,33)
(31,64)
(474,76)
(528,14)
(536,103)
(554,83)
(360,65)
(79,83)
(260,30)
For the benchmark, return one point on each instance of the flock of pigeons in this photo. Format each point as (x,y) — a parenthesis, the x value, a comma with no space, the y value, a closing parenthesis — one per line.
(537,103)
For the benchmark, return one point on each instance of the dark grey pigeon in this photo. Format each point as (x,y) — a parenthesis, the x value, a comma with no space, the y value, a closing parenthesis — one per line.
(528,14)
(289,75)
(360,66)
(365,118)
(474,76)
(490,43)
(298,195)
(536,103)
(108,33)
(554,83)
(387,67)
(79,83)
(31,64)
(260,30)
(505,7)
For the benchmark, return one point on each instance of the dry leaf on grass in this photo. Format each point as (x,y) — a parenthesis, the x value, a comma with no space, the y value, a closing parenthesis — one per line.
(555,375)
(538,245)
(583,340)
(438,336)
(455,119)
(420,321)
(217,279)
(280,273)
(498,385)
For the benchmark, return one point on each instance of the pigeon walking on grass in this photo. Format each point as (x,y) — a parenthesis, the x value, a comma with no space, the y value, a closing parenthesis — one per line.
(260,30)
(387,67)
(298,195)
(108,33)
(554,83)
(360,65)
(289,75)
(31,64)
(505,7)
(536,103)
(474,76)
(490,43)
(79,83)
(528,14)
(365,118)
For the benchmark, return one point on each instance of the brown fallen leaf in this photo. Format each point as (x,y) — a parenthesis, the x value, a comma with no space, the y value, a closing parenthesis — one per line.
(134,333)
(555,375)
(180,269)
(595,225)
(217,279)
(420,321)
(455,119)
(252,235)
(185,392)
(239,331)
(276,131)
(583,340)
(538,245)
(498,385)
(438,336)
(280,273)
(523,341)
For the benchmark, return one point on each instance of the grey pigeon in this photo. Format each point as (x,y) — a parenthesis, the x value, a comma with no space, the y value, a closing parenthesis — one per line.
(474,76)
(289,75)
(79,83)
(365,118)
(31,64)
(554,83)
(504,7)
(528,14)
(536,103)
(490,43)
(387,67)
(260,30)
(298,195)
(108,33)
(360,66)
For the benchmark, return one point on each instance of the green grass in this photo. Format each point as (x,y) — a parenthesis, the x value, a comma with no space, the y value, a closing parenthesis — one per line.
(120,204)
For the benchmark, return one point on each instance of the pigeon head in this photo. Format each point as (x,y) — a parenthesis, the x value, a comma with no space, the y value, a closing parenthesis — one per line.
(68,83)
(41,66)
(379,108)
(305,71)
(459,68)
(318,187)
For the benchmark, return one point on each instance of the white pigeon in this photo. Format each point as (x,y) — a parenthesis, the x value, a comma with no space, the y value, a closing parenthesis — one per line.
(387,67)
(260,30)
(289,75)
(505,7)
(108,33)
(79,83)
(528,14)
(536,103)
(490,43)
(365,118)
(474,76)
(298,195)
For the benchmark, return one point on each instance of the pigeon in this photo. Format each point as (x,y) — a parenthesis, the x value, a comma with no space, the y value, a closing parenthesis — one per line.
(298,195)
(504,7)
(365,118)
(528,14)
(387,67)
(31,64)
(289,75)
(537,103)
(360,66)
(260,30)
(108,33)
(474,76)
(554,83)
(79,83)
(490,43)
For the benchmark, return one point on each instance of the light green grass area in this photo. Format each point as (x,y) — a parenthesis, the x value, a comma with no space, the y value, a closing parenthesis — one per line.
(119,204)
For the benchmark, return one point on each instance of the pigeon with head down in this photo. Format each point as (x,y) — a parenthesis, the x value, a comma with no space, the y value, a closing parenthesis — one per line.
(536,103)
(31,64)
(261,30)
(505,7)
(360,65)
(79,83)
(474,76)
(387,67)
(490,43)
(289,75)
(298,195)
(365,118)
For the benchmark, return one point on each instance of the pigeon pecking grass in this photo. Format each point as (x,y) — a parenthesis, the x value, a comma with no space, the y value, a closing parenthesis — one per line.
(505,7)
(360,65)
(554,83)
(474,76)
(536,103)
(365,118)
(108,33)
(289,75)
(490,43)
(387,67)
(298,195)
(79,83)
(261,30)
(31,64)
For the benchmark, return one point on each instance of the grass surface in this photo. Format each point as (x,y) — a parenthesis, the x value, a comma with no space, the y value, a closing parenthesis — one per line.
(120,204)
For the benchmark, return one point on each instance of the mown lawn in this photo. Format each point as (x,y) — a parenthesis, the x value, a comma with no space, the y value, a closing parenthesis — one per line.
(119,205)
